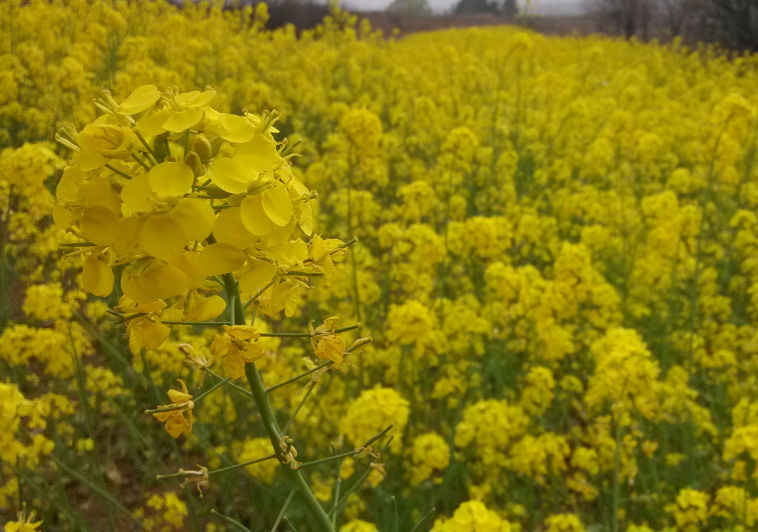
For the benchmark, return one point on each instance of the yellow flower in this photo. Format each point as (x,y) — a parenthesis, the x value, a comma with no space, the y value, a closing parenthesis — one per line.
(491,426)
(538,394)
(176,422)
(179,111)
(145,331)
(139,100)
(326,343)
(430,454)
(324,253)
(102,141)
(252,449)
(356,525)
(472,516)
(690,509)
(258,171)
(23,524)
(163,512)
(237,346)
(97,276)
(624,374)
(564,523)
(374,411)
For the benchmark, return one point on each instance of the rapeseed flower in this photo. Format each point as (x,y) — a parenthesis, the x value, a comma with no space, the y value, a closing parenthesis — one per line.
(177,415)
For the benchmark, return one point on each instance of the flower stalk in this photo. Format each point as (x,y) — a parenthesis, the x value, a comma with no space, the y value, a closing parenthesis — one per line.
(267,414)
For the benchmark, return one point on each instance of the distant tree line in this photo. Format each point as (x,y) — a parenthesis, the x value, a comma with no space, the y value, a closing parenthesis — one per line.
(302,14)
(733,23)
(506,7)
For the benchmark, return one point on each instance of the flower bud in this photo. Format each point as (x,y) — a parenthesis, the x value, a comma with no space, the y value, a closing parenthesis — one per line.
(202,146)
(160,147)
(193,161)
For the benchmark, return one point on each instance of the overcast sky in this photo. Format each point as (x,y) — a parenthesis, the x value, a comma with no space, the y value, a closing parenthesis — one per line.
(544,7)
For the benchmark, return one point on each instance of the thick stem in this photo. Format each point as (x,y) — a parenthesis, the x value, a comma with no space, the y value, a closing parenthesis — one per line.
(267,414)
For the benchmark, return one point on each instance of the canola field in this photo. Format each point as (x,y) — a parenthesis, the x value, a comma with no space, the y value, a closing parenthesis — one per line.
(467,280)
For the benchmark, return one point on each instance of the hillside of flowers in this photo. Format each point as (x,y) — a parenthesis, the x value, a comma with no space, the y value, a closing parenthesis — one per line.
(465,280)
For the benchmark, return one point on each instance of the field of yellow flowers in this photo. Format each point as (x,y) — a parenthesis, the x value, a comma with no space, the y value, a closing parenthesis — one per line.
(465,280)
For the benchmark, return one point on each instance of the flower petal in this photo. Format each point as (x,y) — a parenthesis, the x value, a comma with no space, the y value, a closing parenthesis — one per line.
(99,225)
(138,195)
(253,216)
(69,183)
(257,277)
(191,263)
(140,99)
(221,258)
(162,236)
(196,98)
(171,179)
(229,175)
(196,216)
(156,281)
(235,128)
(151,124)
(206,309)
(97,277)
(179,121)
(229,229)
(277,204)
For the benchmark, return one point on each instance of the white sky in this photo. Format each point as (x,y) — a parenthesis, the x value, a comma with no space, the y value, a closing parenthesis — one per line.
(544,7)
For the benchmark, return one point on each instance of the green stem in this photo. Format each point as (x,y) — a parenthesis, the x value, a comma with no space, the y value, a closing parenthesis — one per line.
(281,512)
(45,492)
(258,294)
(297,378)
(148,374)
(147,147)
(418,523)
(197,399)
(97,489)
(354,269)
(307,334)
(299,406)
(142,163)
(211,389)
(124,318)
(296,273)
(208,323)
(77,245)
(616,479)
(337,487)
(117,171)
(356,484)
(81,384)
(240,389)
(346,454)
(239,466)
(229,520)
(353,452)
(267,414)
(339,504)
(186,474)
